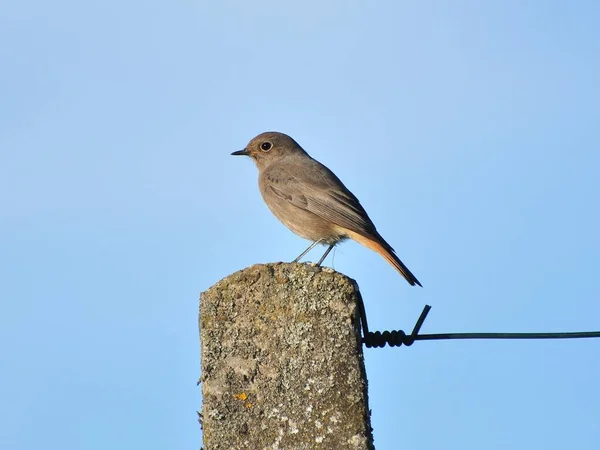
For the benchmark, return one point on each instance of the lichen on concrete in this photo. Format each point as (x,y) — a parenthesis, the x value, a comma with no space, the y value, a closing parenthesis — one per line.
(282,362)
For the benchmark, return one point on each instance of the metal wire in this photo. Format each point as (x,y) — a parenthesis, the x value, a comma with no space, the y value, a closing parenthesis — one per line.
(566,335)
(397,338)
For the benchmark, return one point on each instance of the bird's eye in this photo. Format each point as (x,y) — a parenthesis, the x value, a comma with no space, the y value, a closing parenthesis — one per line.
(266,146)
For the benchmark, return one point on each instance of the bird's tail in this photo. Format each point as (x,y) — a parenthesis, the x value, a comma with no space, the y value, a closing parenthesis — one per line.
(379,245)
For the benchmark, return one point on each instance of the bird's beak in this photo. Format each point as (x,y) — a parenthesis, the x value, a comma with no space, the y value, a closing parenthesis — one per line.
(240,152)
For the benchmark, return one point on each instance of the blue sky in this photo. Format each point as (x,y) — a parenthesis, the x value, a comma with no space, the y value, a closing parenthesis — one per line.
(468,130)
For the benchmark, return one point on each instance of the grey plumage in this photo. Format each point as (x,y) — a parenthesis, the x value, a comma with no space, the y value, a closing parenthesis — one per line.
(311,200)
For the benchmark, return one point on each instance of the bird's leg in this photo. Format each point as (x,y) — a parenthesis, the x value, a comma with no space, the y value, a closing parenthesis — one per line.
(307,250)
(325,254)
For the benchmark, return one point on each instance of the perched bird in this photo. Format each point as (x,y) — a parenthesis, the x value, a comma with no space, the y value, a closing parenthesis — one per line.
(311,201)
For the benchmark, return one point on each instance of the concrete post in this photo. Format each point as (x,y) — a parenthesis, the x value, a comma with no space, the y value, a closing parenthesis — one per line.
(282,361)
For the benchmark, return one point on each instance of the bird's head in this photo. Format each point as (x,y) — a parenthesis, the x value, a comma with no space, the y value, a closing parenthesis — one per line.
(269,147)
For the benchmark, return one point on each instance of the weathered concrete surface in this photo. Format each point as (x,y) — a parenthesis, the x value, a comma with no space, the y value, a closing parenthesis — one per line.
(282,362)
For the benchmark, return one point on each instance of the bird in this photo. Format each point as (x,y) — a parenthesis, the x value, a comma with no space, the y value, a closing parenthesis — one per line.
(311,201)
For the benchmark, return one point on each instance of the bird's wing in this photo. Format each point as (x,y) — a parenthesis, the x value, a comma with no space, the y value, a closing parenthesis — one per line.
(311,186)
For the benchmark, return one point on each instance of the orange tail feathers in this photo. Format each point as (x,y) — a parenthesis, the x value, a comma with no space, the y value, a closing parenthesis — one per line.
(384,249)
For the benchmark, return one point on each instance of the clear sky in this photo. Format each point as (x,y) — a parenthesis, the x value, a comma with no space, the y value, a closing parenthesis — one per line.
(469,130)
